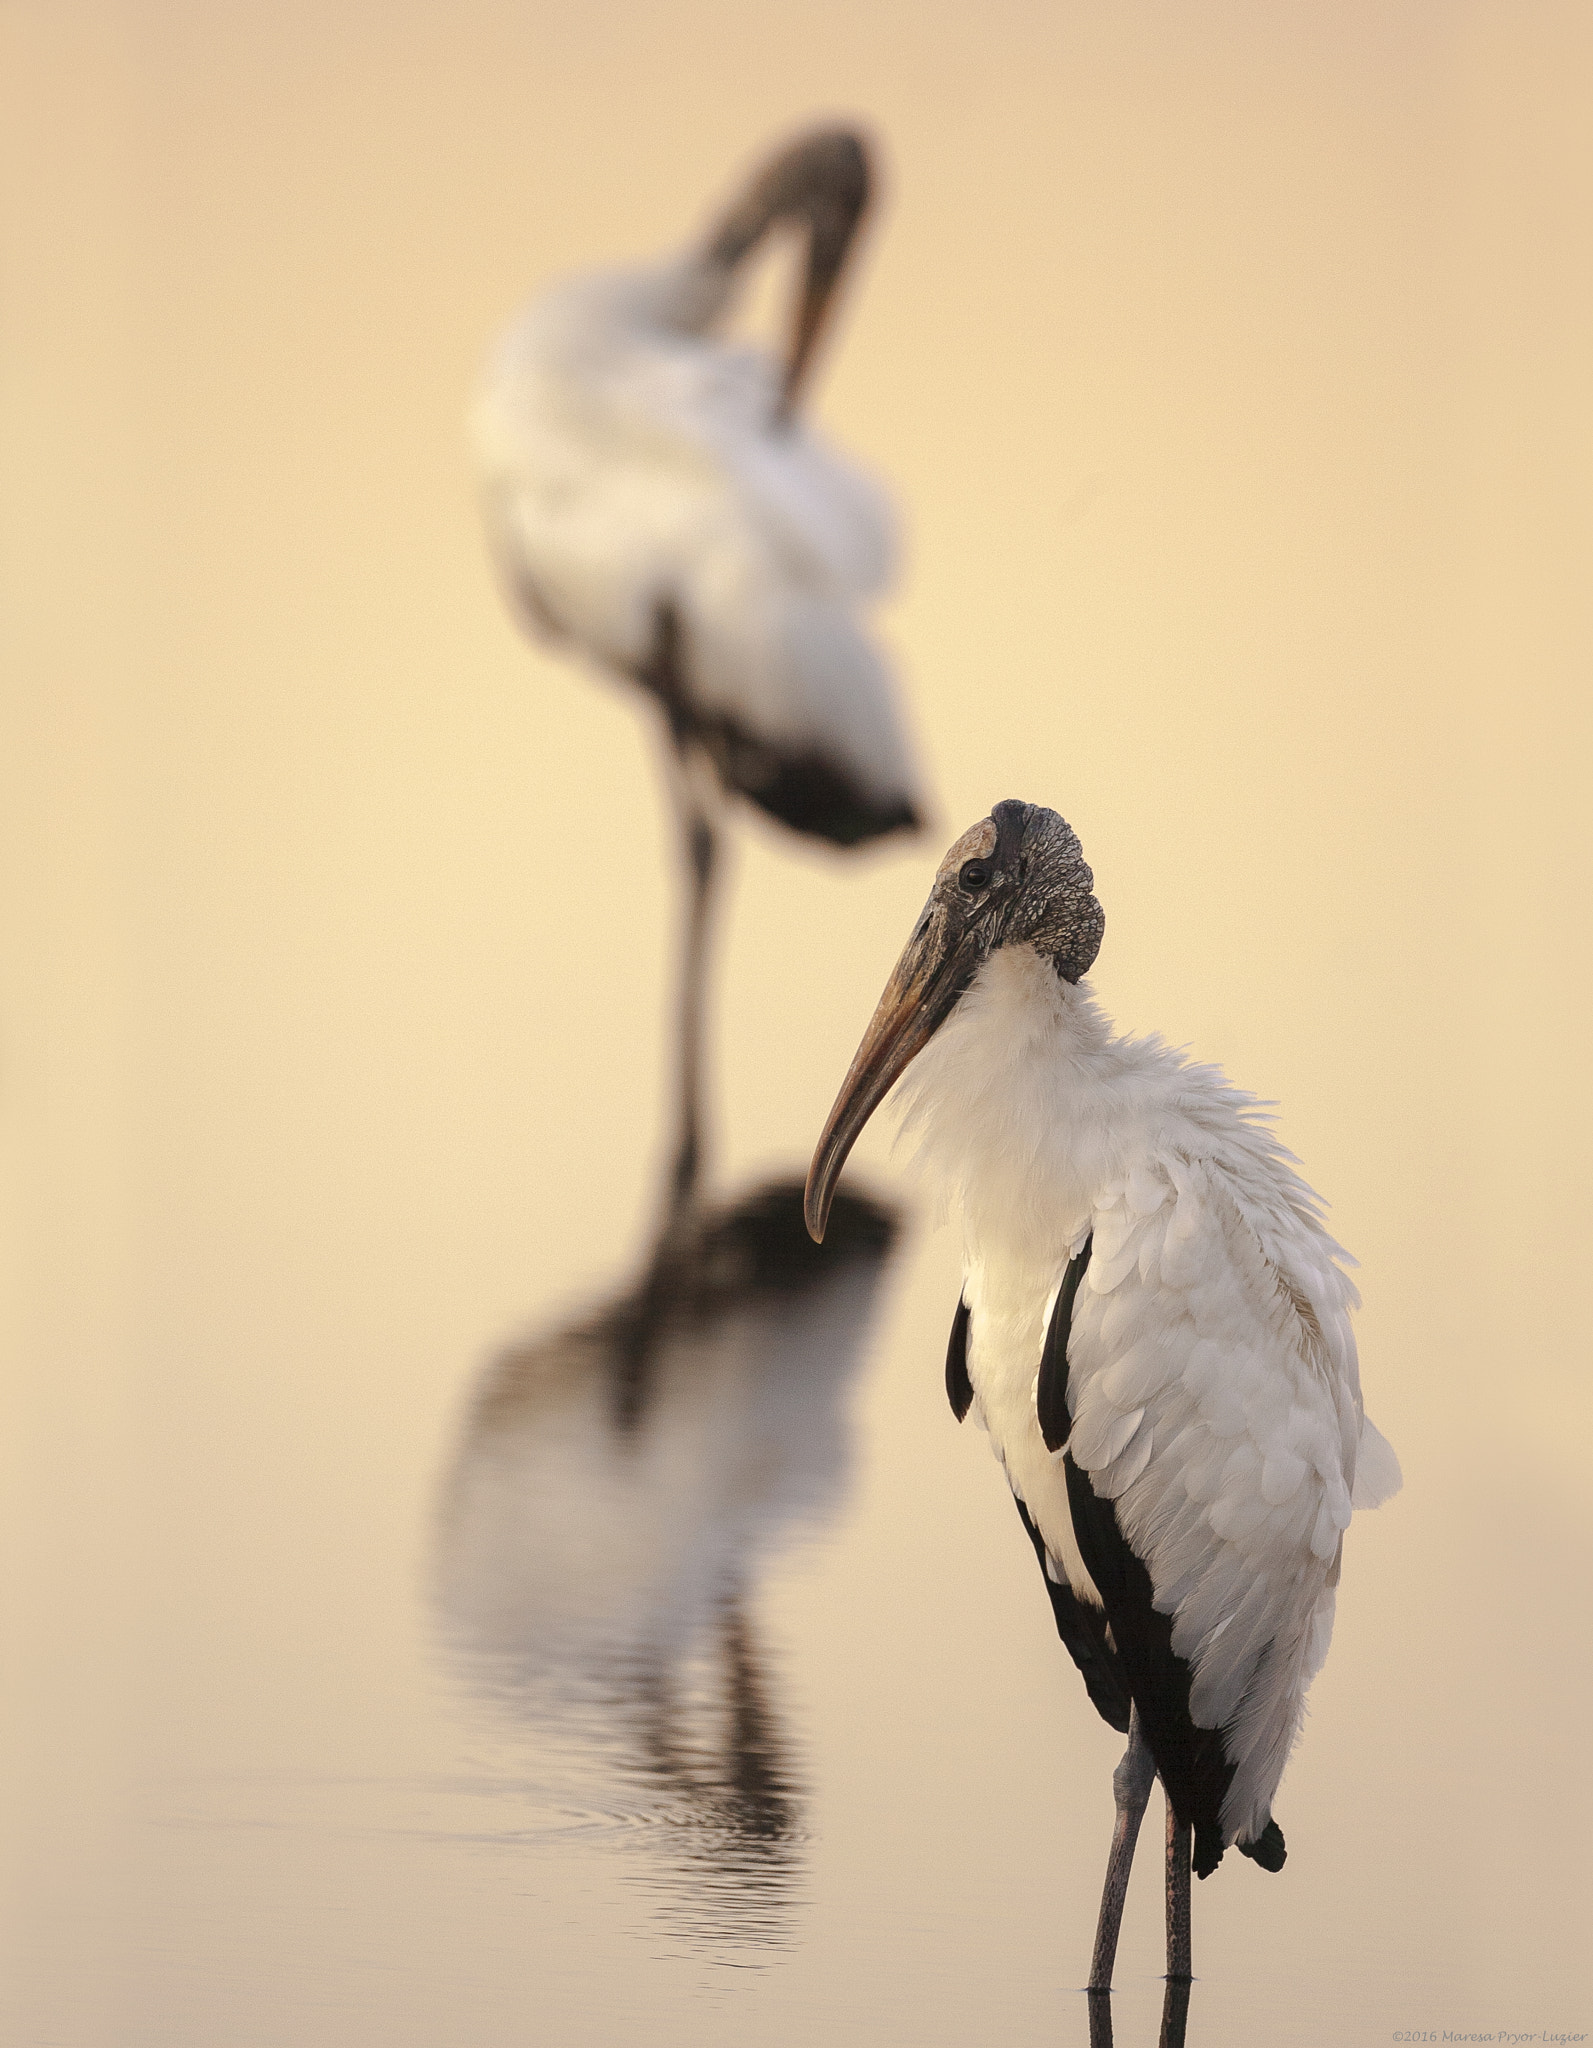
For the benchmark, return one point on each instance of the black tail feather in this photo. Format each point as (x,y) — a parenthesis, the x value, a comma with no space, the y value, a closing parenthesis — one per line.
(806,789)
(1267,1849)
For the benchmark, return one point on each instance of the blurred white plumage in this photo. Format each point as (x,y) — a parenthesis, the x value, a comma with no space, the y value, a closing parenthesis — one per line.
(652,495)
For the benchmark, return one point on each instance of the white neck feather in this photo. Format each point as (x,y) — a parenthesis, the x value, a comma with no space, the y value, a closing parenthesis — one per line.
(680,295)
(1025,1103)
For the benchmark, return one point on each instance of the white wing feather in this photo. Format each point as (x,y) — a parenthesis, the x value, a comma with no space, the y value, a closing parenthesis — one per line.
(1216,1402)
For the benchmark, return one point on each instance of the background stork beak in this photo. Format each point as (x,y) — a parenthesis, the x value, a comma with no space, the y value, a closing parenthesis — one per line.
(829,241)
(938,963)
(820,182)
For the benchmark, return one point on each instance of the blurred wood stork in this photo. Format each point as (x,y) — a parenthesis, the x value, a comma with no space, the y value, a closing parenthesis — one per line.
(1155,1330)
(654,499)
(620,1487)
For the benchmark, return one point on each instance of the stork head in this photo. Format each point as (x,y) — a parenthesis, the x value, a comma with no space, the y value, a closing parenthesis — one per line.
(1017,878)
(819,183)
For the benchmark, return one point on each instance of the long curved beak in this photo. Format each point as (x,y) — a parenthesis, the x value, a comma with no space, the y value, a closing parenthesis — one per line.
(939,961)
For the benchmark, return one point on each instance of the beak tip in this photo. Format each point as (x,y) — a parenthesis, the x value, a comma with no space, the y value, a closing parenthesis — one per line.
(815,1212)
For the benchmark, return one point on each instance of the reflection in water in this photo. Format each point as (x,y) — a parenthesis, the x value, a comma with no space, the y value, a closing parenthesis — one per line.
(621,1484)
(1175,2015)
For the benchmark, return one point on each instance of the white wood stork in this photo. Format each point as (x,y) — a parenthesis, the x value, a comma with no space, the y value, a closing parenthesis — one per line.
(653,498)
(1154,1328)
(620,1486)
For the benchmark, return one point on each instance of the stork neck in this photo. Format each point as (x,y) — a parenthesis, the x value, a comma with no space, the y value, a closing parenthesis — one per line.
(1015,1106)
(684,295)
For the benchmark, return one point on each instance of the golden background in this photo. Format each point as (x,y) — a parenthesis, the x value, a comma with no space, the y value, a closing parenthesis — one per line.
(1230,365)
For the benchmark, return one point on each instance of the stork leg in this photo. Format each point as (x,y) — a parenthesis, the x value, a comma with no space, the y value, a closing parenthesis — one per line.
(1178,1861)
(1131,1786)
(699,842)
(693,785)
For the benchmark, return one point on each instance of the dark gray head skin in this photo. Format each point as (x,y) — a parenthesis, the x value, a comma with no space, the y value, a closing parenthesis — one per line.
(1017,878)
(820,182)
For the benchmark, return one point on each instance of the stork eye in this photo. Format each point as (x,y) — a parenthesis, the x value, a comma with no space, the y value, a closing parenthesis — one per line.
(974,875)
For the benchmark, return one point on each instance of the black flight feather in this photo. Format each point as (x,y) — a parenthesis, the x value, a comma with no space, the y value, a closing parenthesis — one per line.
(959,1388)
(1190,1761)
(1083,1630)
(804,787)
(1051,1390)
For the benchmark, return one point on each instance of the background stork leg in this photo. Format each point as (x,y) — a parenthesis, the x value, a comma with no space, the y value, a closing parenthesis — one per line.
(1178,1861)
(1131,1786)
(691,780)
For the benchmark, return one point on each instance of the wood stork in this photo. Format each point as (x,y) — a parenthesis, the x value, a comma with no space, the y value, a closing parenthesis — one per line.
(1154,1328)
(654,499)
(619,1488)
